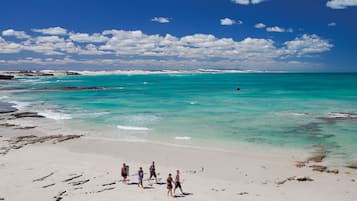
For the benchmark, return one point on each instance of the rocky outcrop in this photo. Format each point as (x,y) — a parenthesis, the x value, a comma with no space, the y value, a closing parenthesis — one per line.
(22,141)
(72,73)
(6,77)
(27,114)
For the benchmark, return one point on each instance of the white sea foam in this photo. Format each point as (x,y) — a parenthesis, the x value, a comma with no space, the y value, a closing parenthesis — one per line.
(183,138)
(20,105)
(193,102)
(55,115)
(132,128)
(298,114)
(3,97)
(342,115)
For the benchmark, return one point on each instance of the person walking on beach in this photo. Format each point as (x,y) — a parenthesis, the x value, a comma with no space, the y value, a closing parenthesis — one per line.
(177,182)
(140,177)
(153,171)
(124,172)
(169,182)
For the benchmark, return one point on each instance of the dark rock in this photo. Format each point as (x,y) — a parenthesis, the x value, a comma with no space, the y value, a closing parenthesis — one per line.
(72,73)
(334,171)
(70,179)
(109,184)
(304,179)
(300,164)
(77,183)
(243,193)
(8,125)
(319,168)
(106,189)
(6,77)
(27,114)
(44,177)
(46,186)
(317,158)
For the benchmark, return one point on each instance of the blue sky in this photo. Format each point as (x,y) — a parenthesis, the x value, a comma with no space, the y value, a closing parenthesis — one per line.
(295,35)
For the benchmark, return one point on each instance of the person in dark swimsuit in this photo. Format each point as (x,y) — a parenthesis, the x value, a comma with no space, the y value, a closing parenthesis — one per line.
(178,182)
(124,172)
(169,181)
(140,177)
(153,171)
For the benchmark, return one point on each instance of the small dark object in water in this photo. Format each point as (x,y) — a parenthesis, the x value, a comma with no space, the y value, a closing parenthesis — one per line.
(238,89)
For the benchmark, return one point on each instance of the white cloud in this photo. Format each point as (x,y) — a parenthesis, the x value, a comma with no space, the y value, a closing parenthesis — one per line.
(52,31)
(341,4)
(331,24)
(278,29)
(307,44)
(17,34)
(140,49)
(227,21)
(161,19)
(260,26)
(86,38)
(247,2)
(9,47)
(257,1)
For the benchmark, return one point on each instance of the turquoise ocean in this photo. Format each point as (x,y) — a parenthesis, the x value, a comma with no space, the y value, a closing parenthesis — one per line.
(285,110)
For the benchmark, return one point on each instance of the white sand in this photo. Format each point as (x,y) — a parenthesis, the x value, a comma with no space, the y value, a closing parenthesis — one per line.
(206,174)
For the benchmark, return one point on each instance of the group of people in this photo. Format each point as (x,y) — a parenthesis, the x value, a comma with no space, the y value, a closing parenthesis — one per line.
(171,184)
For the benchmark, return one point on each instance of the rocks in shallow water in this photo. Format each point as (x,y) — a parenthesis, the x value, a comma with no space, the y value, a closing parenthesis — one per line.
(353,166)
(318,157)
(338,116)
(27,114)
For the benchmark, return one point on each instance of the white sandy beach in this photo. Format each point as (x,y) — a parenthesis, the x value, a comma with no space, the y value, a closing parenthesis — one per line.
(38,172)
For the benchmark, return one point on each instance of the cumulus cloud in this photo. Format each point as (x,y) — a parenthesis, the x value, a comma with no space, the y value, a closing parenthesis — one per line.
(307,44)
(260,26)
(278,29)
(331,24)
(17,34)
(87,38)
(51,31)
(227,21)
(139,49)
(161,19)
(9,47)
(247,2)
(341,4)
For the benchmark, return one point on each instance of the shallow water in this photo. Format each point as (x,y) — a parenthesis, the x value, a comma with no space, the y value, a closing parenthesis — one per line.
(280,110)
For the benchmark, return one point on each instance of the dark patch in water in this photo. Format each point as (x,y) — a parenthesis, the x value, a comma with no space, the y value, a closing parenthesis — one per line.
(340,116)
